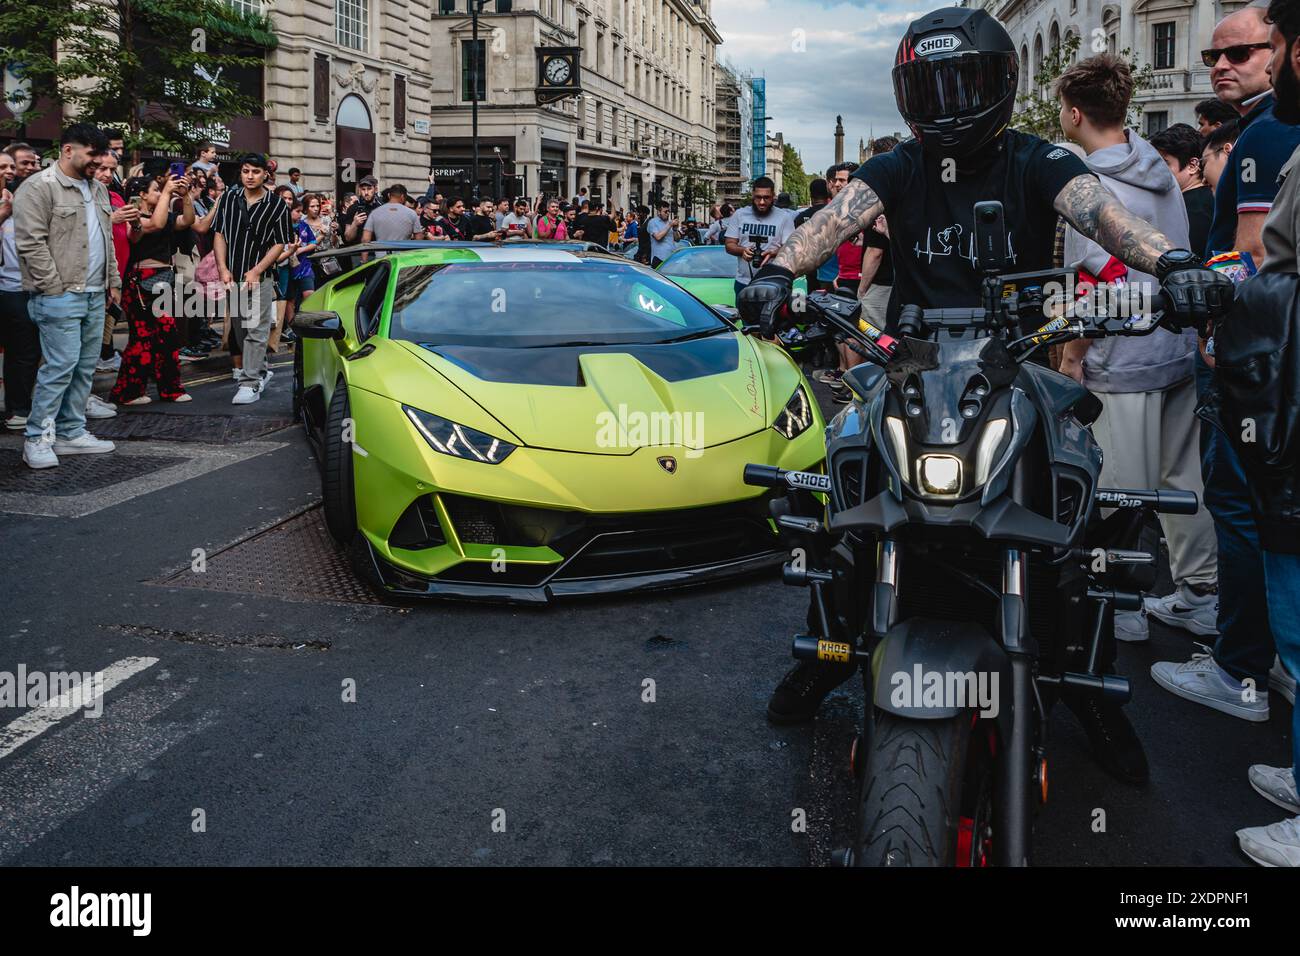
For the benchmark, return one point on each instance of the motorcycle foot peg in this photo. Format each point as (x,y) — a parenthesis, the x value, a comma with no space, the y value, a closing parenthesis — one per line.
(1122,600)
(842,857)
(791,574)
(1109,687)
(809,648)
(800,524)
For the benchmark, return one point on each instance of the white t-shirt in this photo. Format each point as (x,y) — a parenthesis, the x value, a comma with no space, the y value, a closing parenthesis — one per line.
(660,248)
(744,225)
(96,259)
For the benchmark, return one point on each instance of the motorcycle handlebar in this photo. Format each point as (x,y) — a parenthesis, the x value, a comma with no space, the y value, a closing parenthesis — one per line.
(764,476)
(1163,501)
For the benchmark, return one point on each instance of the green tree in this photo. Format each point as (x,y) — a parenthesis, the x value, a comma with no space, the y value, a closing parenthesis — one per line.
(1039,111)
(694,180)
(160,70)
(793,178)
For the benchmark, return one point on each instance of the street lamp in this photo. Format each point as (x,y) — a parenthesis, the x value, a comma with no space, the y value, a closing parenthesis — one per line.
(475,8)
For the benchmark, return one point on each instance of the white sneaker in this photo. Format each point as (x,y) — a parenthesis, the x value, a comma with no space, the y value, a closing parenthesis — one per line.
(267,375)
(1198,613)
(1282,682)
(39,453)
(1276,785)
(1275,845)
(96,407)
(246,395)
(16,423)
(1131,627)
(235,373)
(109,364)
(1203,681)
(83,444)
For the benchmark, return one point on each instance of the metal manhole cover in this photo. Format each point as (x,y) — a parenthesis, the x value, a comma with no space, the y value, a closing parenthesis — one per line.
(76,474)
(295,559)
(174,426)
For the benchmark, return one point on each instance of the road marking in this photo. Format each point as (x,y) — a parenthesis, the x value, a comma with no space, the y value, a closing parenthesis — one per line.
(40,719)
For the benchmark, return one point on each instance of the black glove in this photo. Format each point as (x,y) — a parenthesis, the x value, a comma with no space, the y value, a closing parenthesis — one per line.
(764,299)
(1197,295)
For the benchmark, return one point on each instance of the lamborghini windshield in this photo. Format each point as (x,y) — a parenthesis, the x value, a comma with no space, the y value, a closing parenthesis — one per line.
(536,304)
(700,262)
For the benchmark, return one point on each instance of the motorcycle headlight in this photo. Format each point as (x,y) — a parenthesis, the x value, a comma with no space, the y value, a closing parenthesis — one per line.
(796,416)
(458,441)
(990,441)
(897,436)
(939,474)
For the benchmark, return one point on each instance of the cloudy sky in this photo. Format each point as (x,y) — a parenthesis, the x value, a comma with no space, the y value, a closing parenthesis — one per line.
(848,50)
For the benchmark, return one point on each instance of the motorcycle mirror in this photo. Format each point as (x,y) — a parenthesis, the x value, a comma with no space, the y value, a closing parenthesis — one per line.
(990,237)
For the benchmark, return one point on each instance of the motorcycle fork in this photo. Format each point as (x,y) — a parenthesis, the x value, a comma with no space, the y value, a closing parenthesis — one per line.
(884,615)
(1013,810)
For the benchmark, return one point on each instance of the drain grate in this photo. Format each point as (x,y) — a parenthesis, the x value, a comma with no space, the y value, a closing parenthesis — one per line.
(76,474)
(208,429)
(295,559)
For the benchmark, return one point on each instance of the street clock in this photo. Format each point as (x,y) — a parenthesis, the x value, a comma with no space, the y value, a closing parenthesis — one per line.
(558,72)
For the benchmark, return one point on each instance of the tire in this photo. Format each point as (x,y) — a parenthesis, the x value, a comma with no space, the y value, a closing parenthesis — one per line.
(299,376)
(925,790)
(336,472)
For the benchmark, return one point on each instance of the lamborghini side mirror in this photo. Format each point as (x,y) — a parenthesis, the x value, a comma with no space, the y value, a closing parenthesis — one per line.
(319,325)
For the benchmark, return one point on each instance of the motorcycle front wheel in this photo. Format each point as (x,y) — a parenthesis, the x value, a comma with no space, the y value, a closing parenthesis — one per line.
(925,795)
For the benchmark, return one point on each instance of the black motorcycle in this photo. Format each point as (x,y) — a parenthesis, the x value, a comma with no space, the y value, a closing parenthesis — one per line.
(956,552)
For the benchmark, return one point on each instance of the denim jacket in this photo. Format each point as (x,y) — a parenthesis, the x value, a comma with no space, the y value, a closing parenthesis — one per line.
(50,234)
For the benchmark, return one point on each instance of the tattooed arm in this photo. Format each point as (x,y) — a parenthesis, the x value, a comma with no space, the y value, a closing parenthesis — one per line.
(853,209)
(1093,209)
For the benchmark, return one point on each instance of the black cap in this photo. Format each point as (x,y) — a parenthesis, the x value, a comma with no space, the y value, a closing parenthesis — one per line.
(368,181)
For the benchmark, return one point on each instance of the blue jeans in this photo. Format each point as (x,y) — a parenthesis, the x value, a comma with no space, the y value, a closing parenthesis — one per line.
(72,330)
(1245,644)
(1282,575)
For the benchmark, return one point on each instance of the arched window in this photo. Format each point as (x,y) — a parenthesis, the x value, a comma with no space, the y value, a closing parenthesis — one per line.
(1054,43)
(1025,72)
(353,113)
(1038,56)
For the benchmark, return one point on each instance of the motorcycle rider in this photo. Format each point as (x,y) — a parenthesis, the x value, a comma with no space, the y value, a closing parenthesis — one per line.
(963,153)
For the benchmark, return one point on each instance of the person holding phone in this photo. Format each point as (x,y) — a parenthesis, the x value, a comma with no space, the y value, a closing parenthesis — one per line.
(153,349)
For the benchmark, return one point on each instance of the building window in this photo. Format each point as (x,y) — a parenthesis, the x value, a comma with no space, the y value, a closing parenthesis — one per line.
(321,88)
(503,6)
(446,7)
(399,102)
(252,7)
(1164,46)
(467,91)
(352,23)
(1156,121)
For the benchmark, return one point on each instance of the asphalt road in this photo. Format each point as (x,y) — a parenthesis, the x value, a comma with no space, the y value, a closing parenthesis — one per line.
(478,735)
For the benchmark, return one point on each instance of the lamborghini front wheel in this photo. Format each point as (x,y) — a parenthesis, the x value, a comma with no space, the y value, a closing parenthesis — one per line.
(336,478)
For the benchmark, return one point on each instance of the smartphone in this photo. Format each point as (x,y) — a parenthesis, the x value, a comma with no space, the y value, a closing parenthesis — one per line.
(136,201)
(176,170)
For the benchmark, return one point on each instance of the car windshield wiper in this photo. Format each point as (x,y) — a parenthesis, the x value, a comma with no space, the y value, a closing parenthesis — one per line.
(703,333)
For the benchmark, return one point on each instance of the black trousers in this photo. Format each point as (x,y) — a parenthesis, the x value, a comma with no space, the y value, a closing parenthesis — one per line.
(22,345)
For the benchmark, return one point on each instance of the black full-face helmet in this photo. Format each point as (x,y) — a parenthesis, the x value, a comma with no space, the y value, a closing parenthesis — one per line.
(955,80)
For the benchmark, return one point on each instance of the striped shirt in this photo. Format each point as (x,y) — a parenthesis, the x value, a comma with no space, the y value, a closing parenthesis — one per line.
(251,231)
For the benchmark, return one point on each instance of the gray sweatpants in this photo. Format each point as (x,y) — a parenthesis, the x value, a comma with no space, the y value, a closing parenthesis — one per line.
(251,314)
(1152,440)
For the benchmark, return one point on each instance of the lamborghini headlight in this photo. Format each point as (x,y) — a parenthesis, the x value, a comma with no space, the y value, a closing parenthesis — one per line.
(459,441)
(796,416)
(939,474)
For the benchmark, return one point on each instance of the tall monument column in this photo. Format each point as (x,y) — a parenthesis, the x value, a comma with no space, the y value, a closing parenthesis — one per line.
(839,140)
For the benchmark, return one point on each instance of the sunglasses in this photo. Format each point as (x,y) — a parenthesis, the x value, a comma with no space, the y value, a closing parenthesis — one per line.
(1236,55)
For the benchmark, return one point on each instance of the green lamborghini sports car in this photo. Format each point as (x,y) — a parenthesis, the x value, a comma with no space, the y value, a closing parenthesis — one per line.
(525,423)
(708,273)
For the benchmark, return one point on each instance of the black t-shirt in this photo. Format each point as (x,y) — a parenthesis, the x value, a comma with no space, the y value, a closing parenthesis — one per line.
(160,245)
(472,224)
(804,215)
(455,230)
(885,273)
(931,220)
(596,229)
(1200,214)
(345,218)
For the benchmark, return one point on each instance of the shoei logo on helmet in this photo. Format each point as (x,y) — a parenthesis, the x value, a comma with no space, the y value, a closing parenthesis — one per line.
(943,43)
